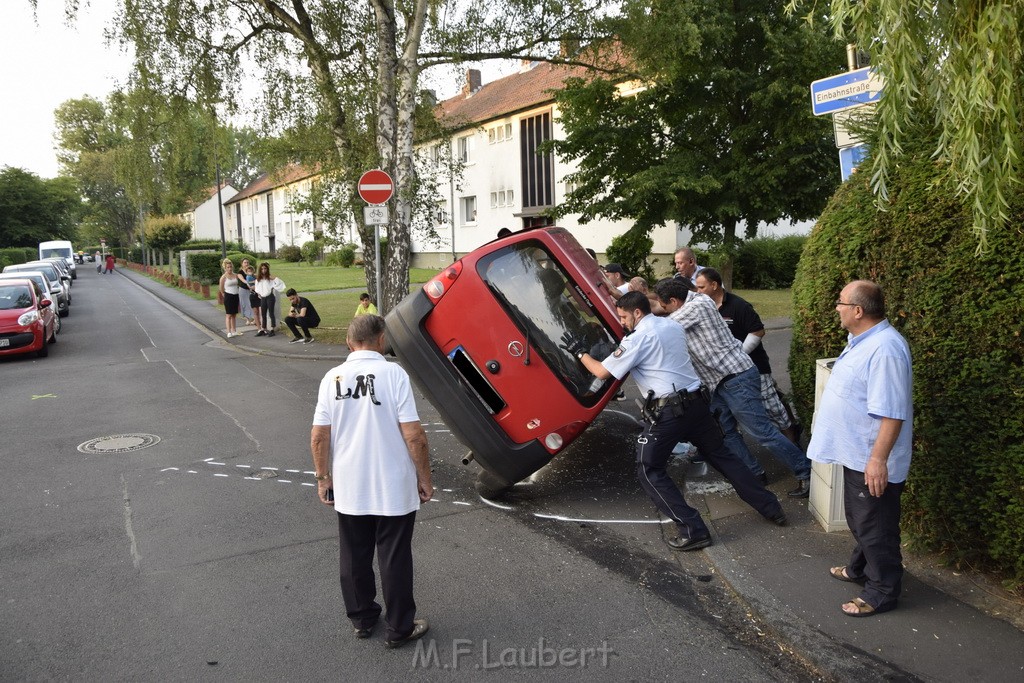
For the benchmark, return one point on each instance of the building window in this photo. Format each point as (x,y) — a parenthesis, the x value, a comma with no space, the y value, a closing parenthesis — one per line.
(537,169)
(494,200)
(508,131)
(468,209)
(466,149)
(441,215)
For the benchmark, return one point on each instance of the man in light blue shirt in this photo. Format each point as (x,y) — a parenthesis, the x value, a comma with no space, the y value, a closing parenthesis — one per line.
(864,423)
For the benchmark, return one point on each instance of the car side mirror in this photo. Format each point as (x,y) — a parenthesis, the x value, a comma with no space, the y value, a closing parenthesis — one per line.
(45,303)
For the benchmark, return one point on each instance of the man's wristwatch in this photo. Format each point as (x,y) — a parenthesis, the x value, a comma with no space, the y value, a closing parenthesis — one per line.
(579,356)
(322,477)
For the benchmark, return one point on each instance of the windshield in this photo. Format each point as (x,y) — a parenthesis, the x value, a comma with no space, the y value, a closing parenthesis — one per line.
(55,252)
(43,284)
(13,297)
(544,303)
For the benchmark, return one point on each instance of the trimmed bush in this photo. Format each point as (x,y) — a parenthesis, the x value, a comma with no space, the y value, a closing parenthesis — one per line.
(962,315)
(205,267)
(344,256)
(289,253)
(767,262)
(312,251)
(11,256)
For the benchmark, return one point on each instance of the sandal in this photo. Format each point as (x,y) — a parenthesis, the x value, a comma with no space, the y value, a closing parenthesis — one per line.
(863,608)
(839,573)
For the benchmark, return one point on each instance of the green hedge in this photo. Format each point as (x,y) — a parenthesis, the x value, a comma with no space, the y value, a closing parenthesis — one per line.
(12,255)
(205,267)
(962,314)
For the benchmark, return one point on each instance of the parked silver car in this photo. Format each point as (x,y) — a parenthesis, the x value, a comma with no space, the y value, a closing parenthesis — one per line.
(54,278)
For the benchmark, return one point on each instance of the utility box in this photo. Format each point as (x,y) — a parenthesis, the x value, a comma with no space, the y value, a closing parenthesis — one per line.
(826,499)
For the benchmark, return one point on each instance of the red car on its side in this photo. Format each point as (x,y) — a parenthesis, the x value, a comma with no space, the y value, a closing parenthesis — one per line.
(27,321)
(488,342)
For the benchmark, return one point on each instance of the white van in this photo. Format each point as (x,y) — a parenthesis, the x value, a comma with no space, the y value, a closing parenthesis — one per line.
(60,249)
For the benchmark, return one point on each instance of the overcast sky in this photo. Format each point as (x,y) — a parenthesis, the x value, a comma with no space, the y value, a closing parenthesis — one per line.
(44,62)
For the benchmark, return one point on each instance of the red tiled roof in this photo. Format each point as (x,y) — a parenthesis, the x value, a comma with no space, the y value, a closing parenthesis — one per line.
(517,92)
(268,181)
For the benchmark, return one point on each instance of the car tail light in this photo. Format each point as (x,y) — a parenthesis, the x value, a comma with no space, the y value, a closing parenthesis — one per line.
(439,284)
(555,440)
(27,318)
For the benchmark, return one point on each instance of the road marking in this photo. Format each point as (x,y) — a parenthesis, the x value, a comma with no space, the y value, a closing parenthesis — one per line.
(34,397)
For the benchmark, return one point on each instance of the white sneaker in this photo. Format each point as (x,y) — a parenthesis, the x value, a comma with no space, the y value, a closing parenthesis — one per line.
(684,449)
(309,340)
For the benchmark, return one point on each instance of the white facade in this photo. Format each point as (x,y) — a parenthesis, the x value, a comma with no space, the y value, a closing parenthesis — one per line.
(265,216)
(205,218)
(488,195)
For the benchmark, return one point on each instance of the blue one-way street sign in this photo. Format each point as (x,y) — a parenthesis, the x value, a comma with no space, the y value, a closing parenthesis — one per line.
(845,91)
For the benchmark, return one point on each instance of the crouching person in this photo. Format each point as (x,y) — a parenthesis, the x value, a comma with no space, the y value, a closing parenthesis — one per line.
(302,316)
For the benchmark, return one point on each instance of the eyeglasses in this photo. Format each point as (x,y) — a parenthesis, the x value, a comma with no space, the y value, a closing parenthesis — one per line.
(843,303)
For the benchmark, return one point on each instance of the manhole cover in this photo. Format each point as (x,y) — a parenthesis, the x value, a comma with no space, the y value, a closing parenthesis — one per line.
(119,443)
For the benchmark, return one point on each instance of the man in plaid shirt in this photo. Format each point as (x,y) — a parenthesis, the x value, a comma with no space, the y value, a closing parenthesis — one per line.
(726,371)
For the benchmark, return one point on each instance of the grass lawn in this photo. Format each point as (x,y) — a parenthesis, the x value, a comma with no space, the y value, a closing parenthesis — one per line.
(769,303)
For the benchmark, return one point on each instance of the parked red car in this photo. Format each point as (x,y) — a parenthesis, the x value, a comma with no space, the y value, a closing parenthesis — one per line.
(27,321)
(485,341)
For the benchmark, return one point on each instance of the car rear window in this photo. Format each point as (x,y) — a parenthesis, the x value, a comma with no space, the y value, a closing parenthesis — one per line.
(14,297)
(545,303)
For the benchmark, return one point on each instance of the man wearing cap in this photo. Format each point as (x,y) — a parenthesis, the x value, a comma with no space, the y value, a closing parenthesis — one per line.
(617,277)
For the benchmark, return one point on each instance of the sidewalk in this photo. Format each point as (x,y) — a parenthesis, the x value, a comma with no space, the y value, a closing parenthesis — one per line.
(211,317)
(782,574)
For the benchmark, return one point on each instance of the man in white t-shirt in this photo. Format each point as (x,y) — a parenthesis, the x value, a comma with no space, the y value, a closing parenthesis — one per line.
(372,465)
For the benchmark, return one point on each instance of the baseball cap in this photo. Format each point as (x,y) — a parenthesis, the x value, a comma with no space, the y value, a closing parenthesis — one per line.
(615,268)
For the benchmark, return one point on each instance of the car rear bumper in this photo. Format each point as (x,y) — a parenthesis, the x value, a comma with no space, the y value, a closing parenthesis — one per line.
(458,405)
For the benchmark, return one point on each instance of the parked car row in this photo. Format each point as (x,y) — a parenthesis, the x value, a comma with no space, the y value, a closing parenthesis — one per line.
(34,298)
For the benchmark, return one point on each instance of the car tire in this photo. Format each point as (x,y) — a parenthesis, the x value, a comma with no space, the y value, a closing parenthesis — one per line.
(491,486)
(65,313)
(53,333)
(44,350)
(57,325)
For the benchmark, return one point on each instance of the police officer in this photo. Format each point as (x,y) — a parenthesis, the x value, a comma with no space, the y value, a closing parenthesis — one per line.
(656,355)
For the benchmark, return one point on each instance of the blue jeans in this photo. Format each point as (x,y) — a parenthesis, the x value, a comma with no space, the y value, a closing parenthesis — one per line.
(737,403)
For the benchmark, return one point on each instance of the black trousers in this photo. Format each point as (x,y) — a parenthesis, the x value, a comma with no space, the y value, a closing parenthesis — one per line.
(875,523)
(359,536)
(697,425)
(267,310)
(295,322)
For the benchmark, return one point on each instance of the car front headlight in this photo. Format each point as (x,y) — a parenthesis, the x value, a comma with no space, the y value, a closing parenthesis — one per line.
(27,318)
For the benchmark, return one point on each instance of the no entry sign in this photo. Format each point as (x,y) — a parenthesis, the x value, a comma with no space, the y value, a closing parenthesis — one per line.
(375,187)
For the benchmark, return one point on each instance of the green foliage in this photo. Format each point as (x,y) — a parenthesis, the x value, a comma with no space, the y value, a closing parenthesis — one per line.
(973,92)
(962,315)
(205,267)
(236,260)
(11,256)
(767,262)
(289,253)
(721,135)
(343,256)
(312,251)
(631,249)
(166,232)
(34,210)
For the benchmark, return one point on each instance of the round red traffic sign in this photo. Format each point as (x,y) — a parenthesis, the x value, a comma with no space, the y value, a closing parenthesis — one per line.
(375,187)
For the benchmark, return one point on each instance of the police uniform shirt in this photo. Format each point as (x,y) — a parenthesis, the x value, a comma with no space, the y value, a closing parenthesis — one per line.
(656,355)
(363,401)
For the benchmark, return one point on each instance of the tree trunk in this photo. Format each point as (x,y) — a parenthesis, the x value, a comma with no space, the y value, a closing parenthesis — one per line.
(728,252)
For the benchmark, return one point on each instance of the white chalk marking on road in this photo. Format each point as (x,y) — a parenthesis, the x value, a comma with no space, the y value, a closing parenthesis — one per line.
(306,483)
(210,462)
(459,502)
(284,481)
(244,467)
(192,472)
(293,471)
(254,478)
(495,505)
(309,472)
(169,469)
(218,474)
(562,518)
(275,469)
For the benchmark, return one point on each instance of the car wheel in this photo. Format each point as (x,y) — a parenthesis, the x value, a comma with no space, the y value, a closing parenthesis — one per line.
(66,312)
(53,332)
(491,486)
(58,325)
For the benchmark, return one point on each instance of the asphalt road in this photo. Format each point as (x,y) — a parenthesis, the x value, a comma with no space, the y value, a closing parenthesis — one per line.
(205,553)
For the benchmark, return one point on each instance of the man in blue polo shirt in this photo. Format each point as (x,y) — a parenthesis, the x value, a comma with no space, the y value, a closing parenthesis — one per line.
(864,423)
